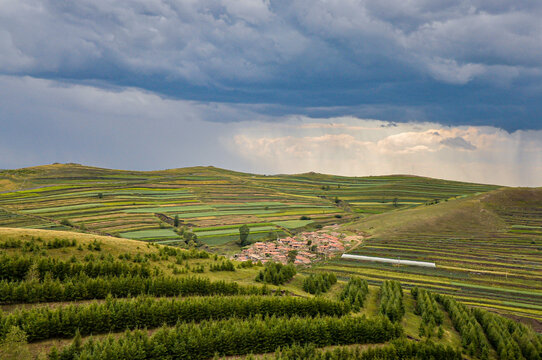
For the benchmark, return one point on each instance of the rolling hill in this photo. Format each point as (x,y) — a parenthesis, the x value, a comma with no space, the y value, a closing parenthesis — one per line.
(84,252)
(143,205)
(488,249)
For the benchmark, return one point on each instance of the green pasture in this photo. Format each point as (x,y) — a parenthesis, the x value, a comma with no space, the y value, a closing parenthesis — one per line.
(148,234)
(233,231)
(169,209)
(251,204)
(225,213)
(293,224)
(223,227)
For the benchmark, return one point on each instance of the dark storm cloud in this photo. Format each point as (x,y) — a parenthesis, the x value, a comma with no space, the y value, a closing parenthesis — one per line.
(46,121)
(456,62)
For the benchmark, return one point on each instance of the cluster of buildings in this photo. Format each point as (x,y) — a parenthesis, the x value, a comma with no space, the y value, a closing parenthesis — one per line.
(306,247)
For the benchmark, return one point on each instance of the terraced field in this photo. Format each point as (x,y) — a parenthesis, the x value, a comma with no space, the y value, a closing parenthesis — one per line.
(142,205)
(481,257)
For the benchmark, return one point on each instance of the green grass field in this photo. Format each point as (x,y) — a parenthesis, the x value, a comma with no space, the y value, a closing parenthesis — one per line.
(150,234)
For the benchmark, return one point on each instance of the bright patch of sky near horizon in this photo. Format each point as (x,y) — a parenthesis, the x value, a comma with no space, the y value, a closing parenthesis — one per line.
(133,129)
(276,86)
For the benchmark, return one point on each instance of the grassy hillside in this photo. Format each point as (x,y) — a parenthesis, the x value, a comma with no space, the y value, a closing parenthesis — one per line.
(143,205)
(488,249)
(369,325)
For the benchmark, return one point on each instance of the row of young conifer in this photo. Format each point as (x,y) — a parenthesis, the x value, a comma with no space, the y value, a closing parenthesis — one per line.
(428,308)
(355,292)
(116,315)
(473,339)
(49,244)
(17,268)
(317,284)
(396,349)
(85,288)
(510,339)
(232,337)
(276,273)
(183,254)
(391,300)
(225,265)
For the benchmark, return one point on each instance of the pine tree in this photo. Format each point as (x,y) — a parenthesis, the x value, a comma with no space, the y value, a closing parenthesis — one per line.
(14,346)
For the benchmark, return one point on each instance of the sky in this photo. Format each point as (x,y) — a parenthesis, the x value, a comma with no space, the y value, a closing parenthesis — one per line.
(447,89)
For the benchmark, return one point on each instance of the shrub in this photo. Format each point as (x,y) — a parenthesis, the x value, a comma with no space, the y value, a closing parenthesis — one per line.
(235,337)
(319,283)
(355,292)
(115,315)
(276,273)
(391,300)
(66,222)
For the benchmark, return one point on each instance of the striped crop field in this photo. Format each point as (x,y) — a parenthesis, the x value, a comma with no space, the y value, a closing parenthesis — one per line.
(150,234)
(255,229)
(138,204)
(293,224)
(479,255)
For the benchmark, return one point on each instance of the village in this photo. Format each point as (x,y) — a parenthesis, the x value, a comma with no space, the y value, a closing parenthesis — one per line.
(302,249)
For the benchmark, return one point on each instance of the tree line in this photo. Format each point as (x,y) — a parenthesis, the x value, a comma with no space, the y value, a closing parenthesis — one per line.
(16,268)
(510,339)
(232,337)
(32,244)
(319,283)
(396,349)
(182,253)
(226,265)
(391,300)
(473,339)
(427,307)
(115,315)
(355,292)
(85,288)
(276,273)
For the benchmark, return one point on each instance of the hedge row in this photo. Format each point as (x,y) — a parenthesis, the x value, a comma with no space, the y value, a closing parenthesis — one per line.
(85,288)
(473,339)
(510,339)
(319,283)
(232,337)
(391,300)
(115,315)
(355,292)
(427,307)
(396,350)
(16,268)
